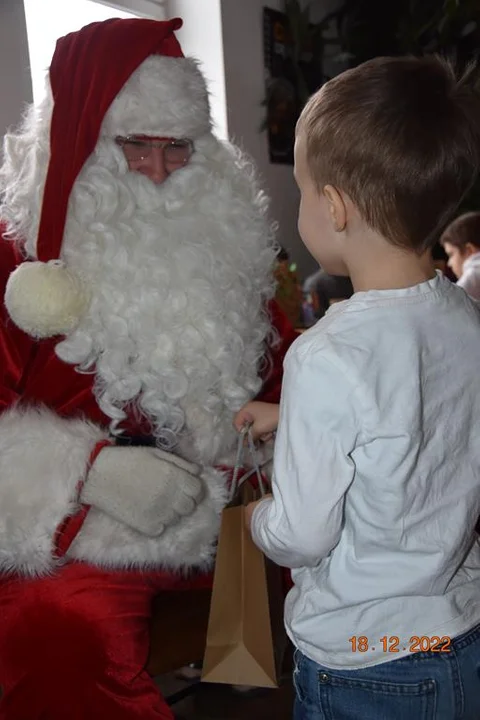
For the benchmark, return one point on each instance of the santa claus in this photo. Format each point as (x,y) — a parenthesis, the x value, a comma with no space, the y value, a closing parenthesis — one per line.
(136,262)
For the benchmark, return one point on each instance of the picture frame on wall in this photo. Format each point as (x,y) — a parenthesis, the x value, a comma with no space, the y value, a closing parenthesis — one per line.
(281,96)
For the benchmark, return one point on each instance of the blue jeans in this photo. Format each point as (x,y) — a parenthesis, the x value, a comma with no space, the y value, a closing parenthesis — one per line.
(421,686)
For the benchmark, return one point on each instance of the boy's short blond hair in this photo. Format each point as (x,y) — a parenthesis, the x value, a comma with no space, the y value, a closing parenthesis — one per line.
(401,137)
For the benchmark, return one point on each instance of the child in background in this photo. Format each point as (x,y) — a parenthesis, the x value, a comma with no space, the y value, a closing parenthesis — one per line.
(376,484)
(461,241)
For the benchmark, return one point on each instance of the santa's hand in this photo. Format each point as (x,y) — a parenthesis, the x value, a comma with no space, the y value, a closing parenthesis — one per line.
(144,488)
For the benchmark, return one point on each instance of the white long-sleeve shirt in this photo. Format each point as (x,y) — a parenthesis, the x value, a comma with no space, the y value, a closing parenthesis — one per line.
(470,279)
(376,487)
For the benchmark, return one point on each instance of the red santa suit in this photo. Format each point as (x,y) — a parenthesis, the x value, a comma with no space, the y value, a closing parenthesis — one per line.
(79,567)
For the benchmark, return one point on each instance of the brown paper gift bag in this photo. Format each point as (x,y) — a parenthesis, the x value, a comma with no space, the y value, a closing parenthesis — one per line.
(245,638)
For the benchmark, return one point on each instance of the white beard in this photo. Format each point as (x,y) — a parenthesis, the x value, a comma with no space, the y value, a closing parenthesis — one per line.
(180,275)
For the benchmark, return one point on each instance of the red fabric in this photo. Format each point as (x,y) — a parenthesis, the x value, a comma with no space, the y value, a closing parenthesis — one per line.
(84,83)
(74,646)
(68,530)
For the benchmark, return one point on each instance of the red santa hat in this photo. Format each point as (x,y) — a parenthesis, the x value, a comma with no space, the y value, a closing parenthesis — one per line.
(88,70)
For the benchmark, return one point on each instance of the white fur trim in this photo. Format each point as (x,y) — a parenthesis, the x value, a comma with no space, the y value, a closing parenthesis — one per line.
(189,543)
(165,97)
(45,299)
(42,458)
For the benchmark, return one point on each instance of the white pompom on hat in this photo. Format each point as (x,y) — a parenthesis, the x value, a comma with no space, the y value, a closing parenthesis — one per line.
(88,70)
(61,298)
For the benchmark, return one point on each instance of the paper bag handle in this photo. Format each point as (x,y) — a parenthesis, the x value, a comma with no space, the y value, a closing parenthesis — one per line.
(246,432)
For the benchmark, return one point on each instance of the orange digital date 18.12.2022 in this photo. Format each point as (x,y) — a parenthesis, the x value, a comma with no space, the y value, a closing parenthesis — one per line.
(392,644)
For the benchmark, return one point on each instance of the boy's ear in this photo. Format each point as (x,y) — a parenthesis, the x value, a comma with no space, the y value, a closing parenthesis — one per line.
(336,208)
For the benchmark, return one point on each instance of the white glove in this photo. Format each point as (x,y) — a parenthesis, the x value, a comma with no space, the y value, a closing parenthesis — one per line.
(144,488)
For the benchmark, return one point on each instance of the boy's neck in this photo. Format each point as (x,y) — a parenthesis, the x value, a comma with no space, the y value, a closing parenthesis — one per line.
(376,264)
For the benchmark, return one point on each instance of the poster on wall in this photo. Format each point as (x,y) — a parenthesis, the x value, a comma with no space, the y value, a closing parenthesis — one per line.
(281,97)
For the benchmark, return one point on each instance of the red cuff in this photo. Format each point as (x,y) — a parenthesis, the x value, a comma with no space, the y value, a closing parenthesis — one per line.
(69,528)
(95,453)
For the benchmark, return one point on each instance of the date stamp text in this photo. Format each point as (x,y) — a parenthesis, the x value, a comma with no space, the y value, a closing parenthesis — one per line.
(392,644)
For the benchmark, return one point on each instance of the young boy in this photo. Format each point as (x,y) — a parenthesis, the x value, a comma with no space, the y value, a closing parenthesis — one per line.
(376,486)
(461,242)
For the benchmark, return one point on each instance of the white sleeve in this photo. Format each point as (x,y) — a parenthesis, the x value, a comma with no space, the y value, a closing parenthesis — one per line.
(312,464)
(470,282)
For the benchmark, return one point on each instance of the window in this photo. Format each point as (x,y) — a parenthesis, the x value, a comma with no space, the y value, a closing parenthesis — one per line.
(63,18)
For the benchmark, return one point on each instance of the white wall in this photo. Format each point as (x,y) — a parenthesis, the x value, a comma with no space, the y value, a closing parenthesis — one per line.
(201,37)
(245,89)
(15,82)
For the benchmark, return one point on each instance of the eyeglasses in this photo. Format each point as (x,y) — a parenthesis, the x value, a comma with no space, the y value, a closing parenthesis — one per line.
(177,151)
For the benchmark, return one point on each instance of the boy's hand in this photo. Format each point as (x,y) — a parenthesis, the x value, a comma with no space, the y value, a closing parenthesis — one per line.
(249,509)
(262,416)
